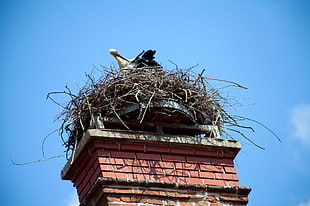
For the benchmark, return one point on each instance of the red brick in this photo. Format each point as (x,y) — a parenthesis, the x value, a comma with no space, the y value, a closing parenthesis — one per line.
(151,192)
(90,173)
(97,174)
(105,167)
(173,158)
(182,194)
(171,202)
(95,164)
(198,160)
(117,190)
(230,170)
(114,199)
(118,154)
(191,180)
(211,199)
(152,170)
(128,199)
(228,162)
(93,160)
(202,204)
(83,161)
(121,168)
(182,151)
(229,155)
(134,162)
(147,156)
(80,179)
(233,198)
(226,176)
(102,153)
(84,191)
(155,201)
(182,203)
(206,153)
(188,166)
(123,204)
(193,173)
(161,164)
(157,149)
(211,168)
(165,178)
(134,199)
(214,182)
(113,174)
(170,172)
(139,176)
(138,170)
(184,173)
(234,183)
(203,174)
(106,145)
(216,204)
(114,161)
(132,147)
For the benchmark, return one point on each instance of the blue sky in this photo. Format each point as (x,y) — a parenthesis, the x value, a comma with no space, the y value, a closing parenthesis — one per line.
(263,45)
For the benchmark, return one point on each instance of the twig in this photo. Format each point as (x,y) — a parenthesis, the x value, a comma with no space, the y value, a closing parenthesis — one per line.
(43,142)
(257,122)
(221,80)
(243,135)
(36,161)
(148,104)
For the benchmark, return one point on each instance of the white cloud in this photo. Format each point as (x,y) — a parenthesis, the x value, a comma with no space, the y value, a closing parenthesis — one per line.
(72,200)
(304,203)
(300,118)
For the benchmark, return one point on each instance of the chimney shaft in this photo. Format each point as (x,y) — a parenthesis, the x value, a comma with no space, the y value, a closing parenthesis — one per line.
(120,167)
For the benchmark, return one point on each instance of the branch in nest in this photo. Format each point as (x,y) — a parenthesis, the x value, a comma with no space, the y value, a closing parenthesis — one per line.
(35,161)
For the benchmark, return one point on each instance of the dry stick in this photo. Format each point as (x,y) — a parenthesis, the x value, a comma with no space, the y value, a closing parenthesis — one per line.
(74,150)
(241,126)
(148,104)
(90,78)
(81,123)
(42,146)
(185,94)
(221,80)
(89,109)
(118,117)
(199,76)
(246,138)
(176,66)
(36,161)
(257,122)
(49,97)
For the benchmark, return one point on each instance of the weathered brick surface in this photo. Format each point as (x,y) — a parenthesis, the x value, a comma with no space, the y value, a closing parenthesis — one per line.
(136,162)
(146,161)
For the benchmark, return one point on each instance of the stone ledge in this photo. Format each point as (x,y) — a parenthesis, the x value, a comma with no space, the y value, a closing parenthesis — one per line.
(149,137)
(166,138)
(164,186)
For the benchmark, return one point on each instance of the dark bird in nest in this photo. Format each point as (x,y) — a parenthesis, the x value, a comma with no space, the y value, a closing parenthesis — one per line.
(144,59)
(147,59)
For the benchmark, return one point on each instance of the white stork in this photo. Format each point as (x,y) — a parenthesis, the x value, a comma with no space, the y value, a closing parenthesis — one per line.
(144,59)
(122,61)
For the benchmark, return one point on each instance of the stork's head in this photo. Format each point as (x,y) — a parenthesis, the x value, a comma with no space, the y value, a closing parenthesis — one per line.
(113,52)
(116,55)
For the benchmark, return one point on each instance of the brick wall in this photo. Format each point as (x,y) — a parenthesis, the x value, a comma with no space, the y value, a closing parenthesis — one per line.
(136,158)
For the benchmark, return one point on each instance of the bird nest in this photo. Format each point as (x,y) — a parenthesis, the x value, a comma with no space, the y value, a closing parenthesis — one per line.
(116,91)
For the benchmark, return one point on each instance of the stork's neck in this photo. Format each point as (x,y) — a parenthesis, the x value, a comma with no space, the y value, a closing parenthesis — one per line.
(122,62)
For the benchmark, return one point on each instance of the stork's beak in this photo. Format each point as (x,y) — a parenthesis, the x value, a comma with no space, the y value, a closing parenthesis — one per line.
(120,56)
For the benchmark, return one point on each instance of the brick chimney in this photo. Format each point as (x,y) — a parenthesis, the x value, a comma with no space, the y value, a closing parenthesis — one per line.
(114,167)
